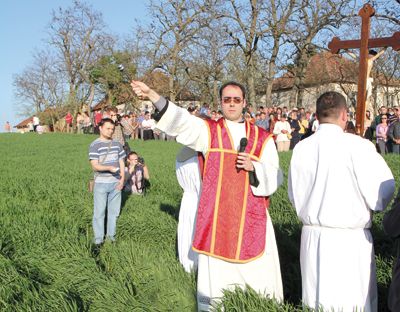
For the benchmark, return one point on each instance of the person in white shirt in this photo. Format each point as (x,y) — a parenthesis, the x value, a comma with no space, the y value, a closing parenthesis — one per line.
(282,131)
(234,235)
(315,125)
(148,125)
(336,180)
(35,122)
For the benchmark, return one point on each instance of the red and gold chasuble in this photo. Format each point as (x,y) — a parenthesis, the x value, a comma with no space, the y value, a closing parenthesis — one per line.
(231,221)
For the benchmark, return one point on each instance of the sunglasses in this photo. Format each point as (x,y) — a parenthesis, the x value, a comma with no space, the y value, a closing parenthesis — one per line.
(229,99)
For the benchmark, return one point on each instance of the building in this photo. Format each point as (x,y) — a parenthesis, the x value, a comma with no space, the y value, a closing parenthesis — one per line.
(332,72)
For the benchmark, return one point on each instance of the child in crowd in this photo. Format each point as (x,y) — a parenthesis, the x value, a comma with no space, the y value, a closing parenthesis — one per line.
(137,174)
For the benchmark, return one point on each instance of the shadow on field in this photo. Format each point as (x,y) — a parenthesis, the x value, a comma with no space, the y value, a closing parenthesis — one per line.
(384,249)
(171,210)
(288,241)
(124,199)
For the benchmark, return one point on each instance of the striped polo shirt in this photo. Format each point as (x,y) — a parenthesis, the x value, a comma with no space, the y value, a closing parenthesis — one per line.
(98,150)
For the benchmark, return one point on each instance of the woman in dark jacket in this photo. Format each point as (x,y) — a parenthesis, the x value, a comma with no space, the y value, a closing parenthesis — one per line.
(391,225)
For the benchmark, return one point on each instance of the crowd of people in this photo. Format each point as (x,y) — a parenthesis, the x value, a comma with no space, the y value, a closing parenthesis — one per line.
(229,168)
(386,127)
(290,126)
(129,125)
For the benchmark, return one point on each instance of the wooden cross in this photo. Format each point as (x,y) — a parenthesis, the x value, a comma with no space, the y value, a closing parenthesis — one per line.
(366,12)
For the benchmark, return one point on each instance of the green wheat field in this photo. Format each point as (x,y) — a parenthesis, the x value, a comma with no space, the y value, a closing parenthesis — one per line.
(47,262)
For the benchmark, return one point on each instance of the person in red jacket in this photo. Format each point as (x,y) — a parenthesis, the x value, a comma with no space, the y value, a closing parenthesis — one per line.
(68,120)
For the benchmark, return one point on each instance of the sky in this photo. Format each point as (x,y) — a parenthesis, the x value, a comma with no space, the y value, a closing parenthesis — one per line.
(23,30)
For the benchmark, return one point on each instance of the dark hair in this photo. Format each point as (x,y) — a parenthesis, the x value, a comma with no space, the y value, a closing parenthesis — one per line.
(235,84)
(104,120)
(372,52)
(139,158)
(350,128)
(330,104)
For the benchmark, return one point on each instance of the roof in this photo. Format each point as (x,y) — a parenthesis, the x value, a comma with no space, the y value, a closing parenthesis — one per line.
(326,68)
(322,68)
(24,123)
(101,105)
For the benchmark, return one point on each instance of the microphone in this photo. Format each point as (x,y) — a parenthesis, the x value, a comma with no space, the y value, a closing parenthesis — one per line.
(252,174)
(243,144)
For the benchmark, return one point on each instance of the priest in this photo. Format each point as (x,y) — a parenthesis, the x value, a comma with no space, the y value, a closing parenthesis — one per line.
(234,236)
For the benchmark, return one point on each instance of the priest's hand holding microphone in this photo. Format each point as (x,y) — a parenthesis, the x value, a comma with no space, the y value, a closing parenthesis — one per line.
(244,162)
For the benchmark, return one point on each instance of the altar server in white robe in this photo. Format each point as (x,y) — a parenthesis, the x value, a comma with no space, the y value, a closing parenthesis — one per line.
(336,181)
(215,273)
(189,178)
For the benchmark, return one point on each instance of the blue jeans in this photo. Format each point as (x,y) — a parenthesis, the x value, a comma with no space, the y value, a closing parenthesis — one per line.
(105,196)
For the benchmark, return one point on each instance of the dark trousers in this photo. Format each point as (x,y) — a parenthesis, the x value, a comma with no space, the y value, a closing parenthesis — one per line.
(148,134)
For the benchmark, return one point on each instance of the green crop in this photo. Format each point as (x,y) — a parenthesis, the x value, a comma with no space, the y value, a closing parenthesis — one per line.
(47,262)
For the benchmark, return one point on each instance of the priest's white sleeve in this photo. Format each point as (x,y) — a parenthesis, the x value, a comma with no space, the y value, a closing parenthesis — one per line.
(188,129)
(376,183)
(267,170)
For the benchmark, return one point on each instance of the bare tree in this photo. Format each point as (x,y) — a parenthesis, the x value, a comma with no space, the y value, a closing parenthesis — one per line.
(77,34)
(245,30)
(313,18)
(388,10)
(387,73)
(40,87)
(278,17)
(206,59)
(175,26)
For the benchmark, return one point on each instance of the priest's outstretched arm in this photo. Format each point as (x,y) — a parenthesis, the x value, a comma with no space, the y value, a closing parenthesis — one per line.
(175,121)
(193,132)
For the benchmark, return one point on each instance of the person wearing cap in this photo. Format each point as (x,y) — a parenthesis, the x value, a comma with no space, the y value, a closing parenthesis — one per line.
(234,235)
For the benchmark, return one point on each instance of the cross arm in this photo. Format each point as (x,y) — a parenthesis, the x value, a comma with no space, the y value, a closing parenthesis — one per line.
(394,41)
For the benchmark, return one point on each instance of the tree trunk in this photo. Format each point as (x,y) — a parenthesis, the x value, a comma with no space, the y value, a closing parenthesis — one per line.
(294,94)
(388,97)
(300,97)
(90,100)
(215,94)
(250,82)
(171,88)
(271,73)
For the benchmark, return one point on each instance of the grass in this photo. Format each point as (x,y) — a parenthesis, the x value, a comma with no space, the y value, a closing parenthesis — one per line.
(46,257)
